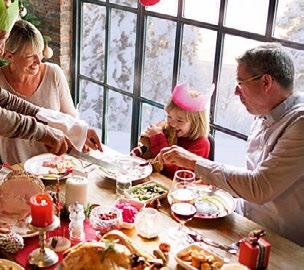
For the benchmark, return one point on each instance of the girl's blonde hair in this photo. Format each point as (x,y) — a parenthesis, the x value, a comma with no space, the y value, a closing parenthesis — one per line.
(23,33)
(199,120)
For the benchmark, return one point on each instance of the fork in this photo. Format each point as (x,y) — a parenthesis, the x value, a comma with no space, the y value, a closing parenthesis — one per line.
(232,248)
(150,161)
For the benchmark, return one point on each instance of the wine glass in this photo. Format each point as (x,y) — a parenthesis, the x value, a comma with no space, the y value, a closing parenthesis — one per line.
(181,198)
(182,188)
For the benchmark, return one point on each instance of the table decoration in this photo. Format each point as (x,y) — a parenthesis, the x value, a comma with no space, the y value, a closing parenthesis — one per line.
(41,210)
(43,256)
(76,227)
(254,250)
(11,242)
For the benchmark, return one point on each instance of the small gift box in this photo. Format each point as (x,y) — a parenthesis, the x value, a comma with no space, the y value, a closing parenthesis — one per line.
(254,251)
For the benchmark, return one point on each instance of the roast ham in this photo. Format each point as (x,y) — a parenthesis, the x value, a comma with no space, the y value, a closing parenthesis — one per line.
(15,192)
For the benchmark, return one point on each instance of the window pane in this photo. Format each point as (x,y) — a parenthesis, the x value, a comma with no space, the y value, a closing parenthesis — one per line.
(93,41)
(197,57)
(165,7)
(159,53)
(129,3)
(91,103)
(122,52)
(151,115)
(249,15)
(297,57)
(119,122)
(230,112)
(230,150)
(204,11)
(289,20)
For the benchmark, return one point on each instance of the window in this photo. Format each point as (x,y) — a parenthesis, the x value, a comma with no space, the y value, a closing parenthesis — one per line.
(128,58)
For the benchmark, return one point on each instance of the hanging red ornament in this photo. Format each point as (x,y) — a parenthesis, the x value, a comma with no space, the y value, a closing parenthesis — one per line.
(149,2)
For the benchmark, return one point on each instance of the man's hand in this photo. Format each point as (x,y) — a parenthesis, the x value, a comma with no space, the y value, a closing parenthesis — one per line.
(92,140)
(178,156)
(56,142)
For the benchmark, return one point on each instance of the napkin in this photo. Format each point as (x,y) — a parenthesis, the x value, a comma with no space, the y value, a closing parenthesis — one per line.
(75,129)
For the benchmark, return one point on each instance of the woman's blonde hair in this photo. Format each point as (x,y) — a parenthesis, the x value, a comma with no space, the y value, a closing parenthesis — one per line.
(23,33)
(199,120)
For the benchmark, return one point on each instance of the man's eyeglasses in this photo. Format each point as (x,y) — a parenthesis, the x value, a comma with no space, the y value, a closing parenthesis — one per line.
(253,78)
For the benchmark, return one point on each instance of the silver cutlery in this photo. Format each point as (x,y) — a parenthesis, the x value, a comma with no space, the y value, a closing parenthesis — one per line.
(196,237)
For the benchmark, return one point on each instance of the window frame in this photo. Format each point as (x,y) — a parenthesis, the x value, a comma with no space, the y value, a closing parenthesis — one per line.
(142,14)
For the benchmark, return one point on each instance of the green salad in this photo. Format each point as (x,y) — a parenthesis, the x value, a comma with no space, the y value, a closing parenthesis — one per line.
(147,191)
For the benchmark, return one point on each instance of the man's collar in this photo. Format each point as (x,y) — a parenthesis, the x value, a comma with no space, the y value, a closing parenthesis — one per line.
(279,111)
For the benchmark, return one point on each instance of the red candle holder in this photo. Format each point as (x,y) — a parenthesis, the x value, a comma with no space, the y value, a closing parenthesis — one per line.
(41,210)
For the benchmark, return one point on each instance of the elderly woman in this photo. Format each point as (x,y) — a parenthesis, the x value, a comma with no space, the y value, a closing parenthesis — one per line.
(43,84)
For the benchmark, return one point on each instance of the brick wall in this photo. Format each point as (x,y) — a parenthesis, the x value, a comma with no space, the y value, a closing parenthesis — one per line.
(56,22)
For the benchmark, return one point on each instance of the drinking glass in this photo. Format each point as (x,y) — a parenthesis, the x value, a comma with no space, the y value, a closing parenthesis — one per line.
(181,198)
(123,183)
(182,189)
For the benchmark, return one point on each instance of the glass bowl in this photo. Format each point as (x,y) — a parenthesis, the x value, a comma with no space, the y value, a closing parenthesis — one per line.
(105,219)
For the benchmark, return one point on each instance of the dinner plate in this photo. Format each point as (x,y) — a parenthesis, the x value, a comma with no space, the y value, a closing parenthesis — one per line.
(23,230)
(9,265)
(212,202)
(131,167)
(35,165)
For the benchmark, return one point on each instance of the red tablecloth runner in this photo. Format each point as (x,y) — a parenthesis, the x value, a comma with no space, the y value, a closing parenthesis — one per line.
(30,244)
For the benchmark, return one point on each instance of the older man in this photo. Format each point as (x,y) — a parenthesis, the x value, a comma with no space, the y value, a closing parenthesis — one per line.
(273,182)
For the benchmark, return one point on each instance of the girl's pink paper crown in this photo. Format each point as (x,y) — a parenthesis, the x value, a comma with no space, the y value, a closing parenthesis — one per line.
(188,100)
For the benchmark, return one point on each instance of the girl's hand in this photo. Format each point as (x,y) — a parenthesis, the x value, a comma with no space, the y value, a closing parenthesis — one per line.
(178,156)
(152,130)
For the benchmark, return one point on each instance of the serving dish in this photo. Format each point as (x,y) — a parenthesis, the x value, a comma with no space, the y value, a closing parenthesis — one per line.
(212,202)
(51,167)
(9,265)
(129,165)
(104,219)
(147,192)
(129,209)
(194,257)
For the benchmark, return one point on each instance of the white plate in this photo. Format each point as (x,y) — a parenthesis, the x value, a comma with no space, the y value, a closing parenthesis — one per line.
(130,165)
(23,230)
(9,265)
(212,202)
(35,166)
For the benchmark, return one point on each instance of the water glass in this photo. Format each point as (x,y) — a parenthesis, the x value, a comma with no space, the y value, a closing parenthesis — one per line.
(123,183)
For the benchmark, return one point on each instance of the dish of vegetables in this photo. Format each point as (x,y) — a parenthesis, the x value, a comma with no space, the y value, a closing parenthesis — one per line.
(148,191)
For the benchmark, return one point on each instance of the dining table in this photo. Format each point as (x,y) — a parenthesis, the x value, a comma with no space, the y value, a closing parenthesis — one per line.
(225,230)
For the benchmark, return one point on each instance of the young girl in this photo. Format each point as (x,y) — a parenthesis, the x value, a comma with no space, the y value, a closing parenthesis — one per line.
(187,126)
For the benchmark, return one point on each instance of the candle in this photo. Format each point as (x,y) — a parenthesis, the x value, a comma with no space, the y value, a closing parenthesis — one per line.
(76,190)
(41,210)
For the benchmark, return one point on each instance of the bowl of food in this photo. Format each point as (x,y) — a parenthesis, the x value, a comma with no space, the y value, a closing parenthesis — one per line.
(147,192)
(105,219)
(129,209)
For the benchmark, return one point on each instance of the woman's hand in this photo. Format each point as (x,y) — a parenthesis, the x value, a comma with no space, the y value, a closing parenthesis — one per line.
(92,140)
(178,156)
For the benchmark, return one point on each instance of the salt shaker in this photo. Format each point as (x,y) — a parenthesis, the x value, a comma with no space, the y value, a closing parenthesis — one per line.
(76,222)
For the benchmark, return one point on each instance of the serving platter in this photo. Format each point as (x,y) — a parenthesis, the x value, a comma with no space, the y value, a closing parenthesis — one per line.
(130,166)
(51,167)
(9,265)
(212,202)
(193,256)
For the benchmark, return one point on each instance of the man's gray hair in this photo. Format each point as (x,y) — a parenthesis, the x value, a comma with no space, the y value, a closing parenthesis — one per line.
(270,58)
